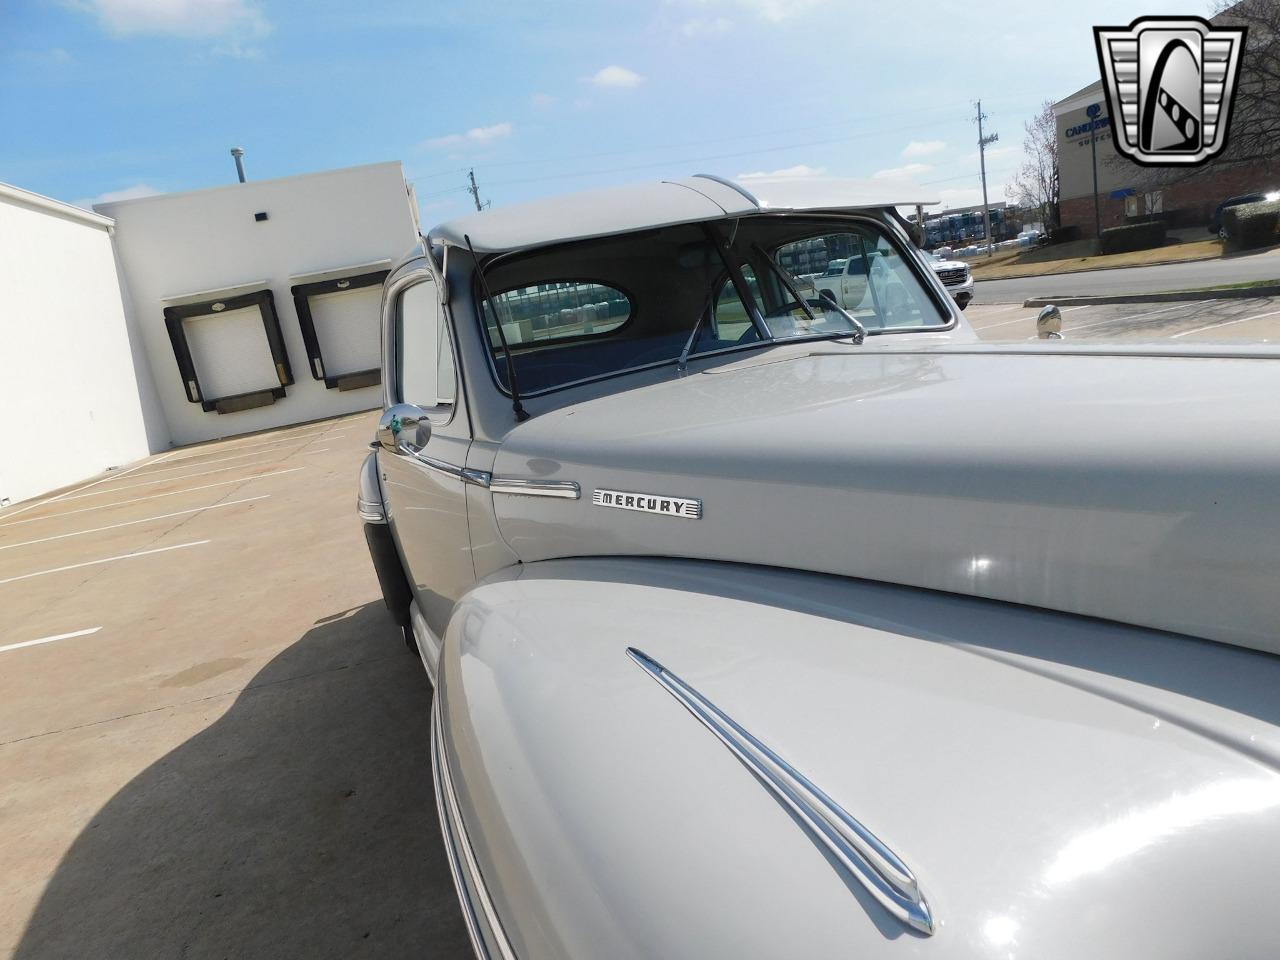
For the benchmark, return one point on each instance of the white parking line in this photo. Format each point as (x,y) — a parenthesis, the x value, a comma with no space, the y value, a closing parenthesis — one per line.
(154,496)
(1030,317)
(152,483)
(58,636)
(1224,323)
(129,523)
(93,563)
(246,446)
(239,456)
(13,512)
(1136,316)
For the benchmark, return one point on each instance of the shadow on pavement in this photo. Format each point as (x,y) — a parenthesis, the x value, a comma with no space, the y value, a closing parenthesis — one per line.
(302,823)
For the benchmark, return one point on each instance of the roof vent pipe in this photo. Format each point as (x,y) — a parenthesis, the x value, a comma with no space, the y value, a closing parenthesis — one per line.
(238,153)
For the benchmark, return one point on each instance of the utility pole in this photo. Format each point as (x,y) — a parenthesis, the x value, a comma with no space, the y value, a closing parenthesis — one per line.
(474,190)
(982,163)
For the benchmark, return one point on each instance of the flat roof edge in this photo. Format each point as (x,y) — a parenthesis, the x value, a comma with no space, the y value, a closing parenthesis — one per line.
(49,205)
(249,183)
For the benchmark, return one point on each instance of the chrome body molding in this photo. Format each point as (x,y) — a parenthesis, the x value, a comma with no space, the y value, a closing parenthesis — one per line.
(564,489)
(479,478)
(369,505)
(483,927)
(877,868)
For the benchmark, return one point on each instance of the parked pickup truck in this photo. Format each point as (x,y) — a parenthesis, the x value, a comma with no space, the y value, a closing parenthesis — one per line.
(846,283)
(771,623)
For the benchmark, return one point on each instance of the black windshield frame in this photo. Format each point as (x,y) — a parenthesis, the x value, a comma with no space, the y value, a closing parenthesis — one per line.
(923,275)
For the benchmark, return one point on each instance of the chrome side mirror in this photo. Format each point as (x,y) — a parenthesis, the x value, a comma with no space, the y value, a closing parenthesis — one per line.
(403,428)
(1049,323)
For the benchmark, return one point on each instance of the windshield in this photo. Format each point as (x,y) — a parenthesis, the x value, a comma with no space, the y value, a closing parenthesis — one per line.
(584,310)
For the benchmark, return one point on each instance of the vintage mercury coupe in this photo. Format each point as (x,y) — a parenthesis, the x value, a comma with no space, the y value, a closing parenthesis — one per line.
(768,625)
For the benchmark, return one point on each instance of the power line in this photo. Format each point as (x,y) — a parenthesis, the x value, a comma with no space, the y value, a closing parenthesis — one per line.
(702,159)
(677,160)
(645,147)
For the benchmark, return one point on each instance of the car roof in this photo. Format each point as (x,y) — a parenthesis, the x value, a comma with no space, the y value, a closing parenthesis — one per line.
(644,206)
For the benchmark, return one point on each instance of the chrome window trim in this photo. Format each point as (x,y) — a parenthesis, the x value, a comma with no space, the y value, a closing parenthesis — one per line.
(923,273)
(392,292)
(876,868)
(461,858)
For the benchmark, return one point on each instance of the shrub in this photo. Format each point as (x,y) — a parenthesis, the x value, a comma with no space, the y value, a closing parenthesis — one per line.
(1252,225)
(1065,234)
(1134,236)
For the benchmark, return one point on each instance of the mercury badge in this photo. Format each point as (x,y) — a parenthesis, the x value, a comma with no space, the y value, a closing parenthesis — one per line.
(649,503)
(1170,82)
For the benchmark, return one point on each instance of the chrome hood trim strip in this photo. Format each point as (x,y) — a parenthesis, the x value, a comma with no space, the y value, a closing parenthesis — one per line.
(875,866)
(478,911)
(563,489)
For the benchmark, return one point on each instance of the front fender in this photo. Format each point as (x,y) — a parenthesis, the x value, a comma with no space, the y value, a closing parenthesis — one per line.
(1007,755)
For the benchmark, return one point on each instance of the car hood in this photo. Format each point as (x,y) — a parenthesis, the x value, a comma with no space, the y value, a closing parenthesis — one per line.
(946,264)
(1060,788)
(1138,489)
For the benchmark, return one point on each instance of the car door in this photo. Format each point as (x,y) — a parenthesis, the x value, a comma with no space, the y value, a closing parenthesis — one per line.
(424,491)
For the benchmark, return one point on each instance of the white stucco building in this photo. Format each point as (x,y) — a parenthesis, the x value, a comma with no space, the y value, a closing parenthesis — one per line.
(184,317)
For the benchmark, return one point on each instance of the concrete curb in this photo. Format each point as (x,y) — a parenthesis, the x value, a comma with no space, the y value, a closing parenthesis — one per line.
(1109,266)
(1232,293)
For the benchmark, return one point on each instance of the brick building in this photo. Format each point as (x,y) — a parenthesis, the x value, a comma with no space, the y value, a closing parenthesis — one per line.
(1128,192)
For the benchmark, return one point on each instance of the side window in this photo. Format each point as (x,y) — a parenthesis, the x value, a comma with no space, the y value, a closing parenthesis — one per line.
(560,310)
(425,373)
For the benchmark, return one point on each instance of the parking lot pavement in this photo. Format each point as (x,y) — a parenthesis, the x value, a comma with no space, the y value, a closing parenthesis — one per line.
(213,742)
(1205,321)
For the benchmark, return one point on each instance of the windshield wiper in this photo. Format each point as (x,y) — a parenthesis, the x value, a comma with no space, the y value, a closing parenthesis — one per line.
(859,331)
(705,312)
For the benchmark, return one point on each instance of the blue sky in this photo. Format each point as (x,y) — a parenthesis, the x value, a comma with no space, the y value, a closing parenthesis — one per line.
(110,98)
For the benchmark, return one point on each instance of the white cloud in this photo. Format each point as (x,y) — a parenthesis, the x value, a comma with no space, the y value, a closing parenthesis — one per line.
(476,135)
(111,196)
(774,11)
(615,76)
(799,170)
(922,148)
(900,173)
(543,100)
(189,18)
(706,26)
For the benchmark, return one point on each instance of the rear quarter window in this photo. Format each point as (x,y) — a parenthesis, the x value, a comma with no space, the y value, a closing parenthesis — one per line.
(556,310)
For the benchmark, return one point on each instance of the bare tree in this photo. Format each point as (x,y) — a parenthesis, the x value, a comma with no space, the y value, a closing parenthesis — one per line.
(1255,123)
(1035,186)
(1254,136)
